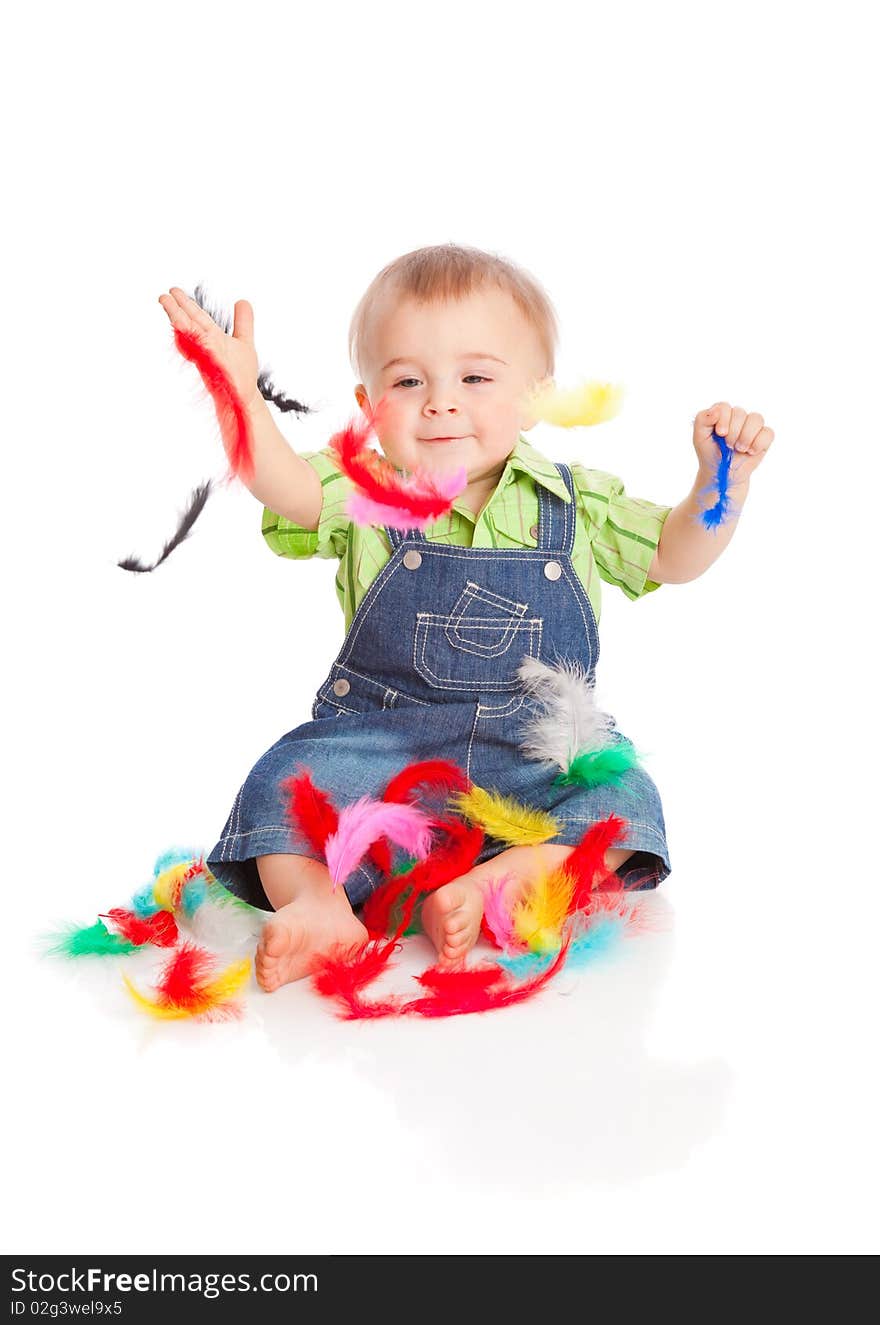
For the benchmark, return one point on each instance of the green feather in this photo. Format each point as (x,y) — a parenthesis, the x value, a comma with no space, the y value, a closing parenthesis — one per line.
(598,768)
(90,941)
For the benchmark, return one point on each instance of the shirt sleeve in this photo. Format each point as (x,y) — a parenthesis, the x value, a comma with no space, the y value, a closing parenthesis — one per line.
(624,531)
(330,539)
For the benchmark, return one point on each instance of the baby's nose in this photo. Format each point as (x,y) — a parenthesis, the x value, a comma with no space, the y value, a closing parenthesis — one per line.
(441,403)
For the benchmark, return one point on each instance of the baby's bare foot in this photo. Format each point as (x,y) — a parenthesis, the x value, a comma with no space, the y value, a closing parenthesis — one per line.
(308,925)
(451,918)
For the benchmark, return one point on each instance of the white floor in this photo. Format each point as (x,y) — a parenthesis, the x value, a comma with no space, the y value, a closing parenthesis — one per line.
(711,1088)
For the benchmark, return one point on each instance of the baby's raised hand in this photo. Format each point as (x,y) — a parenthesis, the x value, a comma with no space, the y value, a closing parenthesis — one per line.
(235,354)
(746,433)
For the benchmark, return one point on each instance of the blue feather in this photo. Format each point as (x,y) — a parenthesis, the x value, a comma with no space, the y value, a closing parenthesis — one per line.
(174,856)
(194,892)
(143,903)
(715,515)
(601,936)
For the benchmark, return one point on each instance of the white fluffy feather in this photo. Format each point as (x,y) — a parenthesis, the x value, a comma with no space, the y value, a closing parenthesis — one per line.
(569,723)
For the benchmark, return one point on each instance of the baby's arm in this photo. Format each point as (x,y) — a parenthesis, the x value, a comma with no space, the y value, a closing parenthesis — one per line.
(281,480)
(687,548)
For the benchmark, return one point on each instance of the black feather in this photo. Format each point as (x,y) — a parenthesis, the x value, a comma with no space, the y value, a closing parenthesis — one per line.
(191,514)
(264,383)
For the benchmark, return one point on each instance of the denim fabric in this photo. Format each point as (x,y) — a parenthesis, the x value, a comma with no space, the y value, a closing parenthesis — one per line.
(428,670)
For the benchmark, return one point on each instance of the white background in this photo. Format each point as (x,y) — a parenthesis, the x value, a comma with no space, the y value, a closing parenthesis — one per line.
(694,186)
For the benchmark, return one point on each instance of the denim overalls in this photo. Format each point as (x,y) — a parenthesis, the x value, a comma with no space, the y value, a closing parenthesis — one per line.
(428,671)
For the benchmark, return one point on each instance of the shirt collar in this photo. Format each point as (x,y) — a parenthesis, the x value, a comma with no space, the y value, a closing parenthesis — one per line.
(525,458)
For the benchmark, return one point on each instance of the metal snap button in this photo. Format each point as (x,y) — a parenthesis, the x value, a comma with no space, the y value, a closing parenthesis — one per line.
(341,687)
(552,570)
(412,559)
(534,531)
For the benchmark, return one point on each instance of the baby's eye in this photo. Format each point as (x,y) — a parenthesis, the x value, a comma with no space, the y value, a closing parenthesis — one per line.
(470,377)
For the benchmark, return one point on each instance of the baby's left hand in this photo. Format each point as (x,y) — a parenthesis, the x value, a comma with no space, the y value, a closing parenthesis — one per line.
(746,433)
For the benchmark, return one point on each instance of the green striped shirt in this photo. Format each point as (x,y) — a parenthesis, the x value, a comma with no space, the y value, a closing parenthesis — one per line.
(616,536)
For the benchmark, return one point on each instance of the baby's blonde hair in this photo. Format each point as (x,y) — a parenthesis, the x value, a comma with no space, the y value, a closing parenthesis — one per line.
(453,271)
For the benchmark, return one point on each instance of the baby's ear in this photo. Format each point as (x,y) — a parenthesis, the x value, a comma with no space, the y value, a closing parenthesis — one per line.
(530,417)
(360,395)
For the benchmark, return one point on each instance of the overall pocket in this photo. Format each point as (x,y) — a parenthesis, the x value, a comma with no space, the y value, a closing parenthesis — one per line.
(479,645)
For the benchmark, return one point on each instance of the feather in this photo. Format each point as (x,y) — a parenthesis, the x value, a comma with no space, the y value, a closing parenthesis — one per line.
(235,426)
(496,913)
(342,973)
(144,903)
(570,722)
(599,768)
(586,864)
(168,887)
(175,856)
(453,1001)
(197,500)
(225,922)
(447,861)
(722,509)
(420,496)
(365,511)
(504,818)
(193,893)
(460,980)
(539,914)
(187,986)
(579,407)
(428,774)
(88,941)
(226,323)
(160,928)
(366,820)
(601,937)
(310,809)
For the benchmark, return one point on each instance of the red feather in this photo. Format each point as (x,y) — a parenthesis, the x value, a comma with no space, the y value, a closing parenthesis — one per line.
(457,981)
(375,475)
(183,979)
(428,774)
(235,428)
(440,773)
(310,809)
(343,972)
(160,928)
(456,999)
(586,864)
(446,862)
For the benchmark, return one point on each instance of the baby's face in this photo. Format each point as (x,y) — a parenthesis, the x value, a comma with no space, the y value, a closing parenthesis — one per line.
(454,375)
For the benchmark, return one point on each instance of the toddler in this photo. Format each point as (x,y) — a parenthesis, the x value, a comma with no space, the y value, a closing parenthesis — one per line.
(437,624)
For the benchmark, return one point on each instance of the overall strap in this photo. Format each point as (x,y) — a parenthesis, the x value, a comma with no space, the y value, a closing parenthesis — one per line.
(556,518)
(398,536)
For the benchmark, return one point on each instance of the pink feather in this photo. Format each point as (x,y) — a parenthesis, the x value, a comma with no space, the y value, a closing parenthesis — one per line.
(364,822)
(364,511)
(497,915)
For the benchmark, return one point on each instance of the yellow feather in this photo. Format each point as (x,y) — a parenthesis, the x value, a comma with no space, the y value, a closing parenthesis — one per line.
(218,990)
(166,889)
(538,915)
(505,818)
(579,407)
(228,982)
(155,1009)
